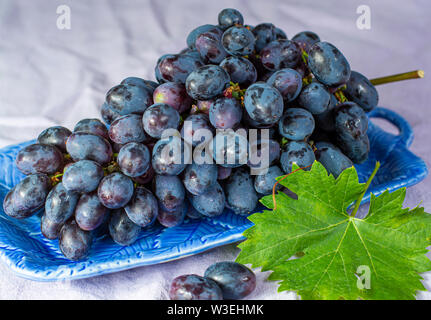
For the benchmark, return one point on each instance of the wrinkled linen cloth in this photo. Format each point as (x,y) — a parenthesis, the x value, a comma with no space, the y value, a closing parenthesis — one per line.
(51,77)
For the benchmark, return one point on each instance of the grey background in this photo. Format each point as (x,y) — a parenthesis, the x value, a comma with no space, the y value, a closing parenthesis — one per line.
(57,77)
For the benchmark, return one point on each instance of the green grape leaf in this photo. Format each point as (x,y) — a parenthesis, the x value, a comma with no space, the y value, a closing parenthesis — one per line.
(315,247)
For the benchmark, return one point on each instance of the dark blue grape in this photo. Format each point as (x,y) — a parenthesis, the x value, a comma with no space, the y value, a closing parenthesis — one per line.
(158,118)
(146,177)
(351,122)
(264,183)
(235,280)
(129,98)
(315,98)
(169,191)
(27,197)
(325,120)
(210,48)
(193,35)
(263,153)
(280,34)
(89,212)
(328,64)
(143,208)
(280,54)
(134,159)
(123,230)
(150,85)
(74,242)
(207,82)
(264,103)
(298,152)
(82,176)
(241,196)
(128,128)
(115,190)
(192,213)
(199,178)
(332,158)
(229,149)
(94,126)
(355,149)
(195,129)
(223,172)
(296,124)
(55,136)
(194,287)
(108,115)
(88,146)
(288,82)
(238,41)
(173,94)
(172,218)
(264,33)
(177,67)
(39,158)
(361,91)
(306,39)
(210,203)
(229,17)
(225,113)
(192,52)
(50,229)
(170,156)
(240,70)
(60,204)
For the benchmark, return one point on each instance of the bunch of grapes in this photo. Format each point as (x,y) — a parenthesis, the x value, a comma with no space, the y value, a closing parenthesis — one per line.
(116,177)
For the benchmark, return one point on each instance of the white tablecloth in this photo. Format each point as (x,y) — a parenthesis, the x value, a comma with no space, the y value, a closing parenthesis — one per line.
(57,77)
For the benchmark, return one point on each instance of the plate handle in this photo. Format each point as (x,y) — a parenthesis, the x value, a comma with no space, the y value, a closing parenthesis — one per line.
(406,132)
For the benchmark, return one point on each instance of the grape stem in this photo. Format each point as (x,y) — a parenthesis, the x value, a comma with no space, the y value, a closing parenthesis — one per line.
(367,185)
(416,74)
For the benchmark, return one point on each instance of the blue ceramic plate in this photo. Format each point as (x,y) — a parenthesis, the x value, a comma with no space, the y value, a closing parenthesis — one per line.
(30,255)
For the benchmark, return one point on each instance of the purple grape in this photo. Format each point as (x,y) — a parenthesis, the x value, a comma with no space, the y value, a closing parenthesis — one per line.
(148,84)
(129,98)
(229,149)
(332,158)
(264,183)
(193,35)
(146,177)
(204,106)
(210,203)
(158,118)
(173,94)
(238,41)
(89,212)
(176,67)
(225,113)
(170,191)
(108,115)
(296,151)
(134,159)
(55,136)
(263,153)
(306,39)
(195,128)
(39,158)
(351,122)
(240,70)
(280,34)
(27,197)
(315,98)
(74,242)
(235,280)
(122,230)
(288,82)
(94,126)
(115,190)
(209,46)
(87,146)
(361,91)
(82,176)
(127,129)
(143,208)
(280,54)
(194,287)
(50,229)
(172,218)
(325,120)
(199,178)
(60,205)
